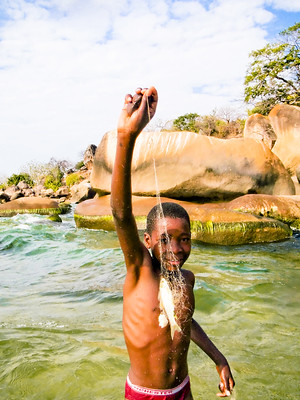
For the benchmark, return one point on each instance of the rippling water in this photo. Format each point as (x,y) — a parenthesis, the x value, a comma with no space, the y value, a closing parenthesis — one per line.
(61,312)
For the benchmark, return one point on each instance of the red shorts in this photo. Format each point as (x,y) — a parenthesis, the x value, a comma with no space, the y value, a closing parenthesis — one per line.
(134,392)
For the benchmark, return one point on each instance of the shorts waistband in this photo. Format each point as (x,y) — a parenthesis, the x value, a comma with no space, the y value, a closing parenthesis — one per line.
(156,392)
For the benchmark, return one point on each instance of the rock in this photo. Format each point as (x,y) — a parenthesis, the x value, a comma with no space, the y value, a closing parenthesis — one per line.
(63,191)
(22,185)
(258,127)
(55,218)
(47,192)
(13,192)
(209,225)
(4,197)
(296,225)
(285,120)
(88,158)
(298,173)
(189,165)
(38,189)
(82,191)
(28,192)
(29,205)
(282,208)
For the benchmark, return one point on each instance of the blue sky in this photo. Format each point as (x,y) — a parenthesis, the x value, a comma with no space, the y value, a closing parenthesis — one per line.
(65,65)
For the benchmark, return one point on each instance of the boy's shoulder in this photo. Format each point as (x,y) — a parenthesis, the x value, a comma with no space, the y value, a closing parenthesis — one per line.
(189,276)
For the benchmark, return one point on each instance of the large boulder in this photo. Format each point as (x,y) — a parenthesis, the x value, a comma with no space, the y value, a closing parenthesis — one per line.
(13,192)
(32,205)
(258,127)
(189,165)
(81,191)
(282,208)
(208,224)
(285,120)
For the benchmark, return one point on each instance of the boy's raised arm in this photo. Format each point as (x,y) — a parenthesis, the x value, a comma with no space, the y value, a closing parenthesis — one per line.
(136,113)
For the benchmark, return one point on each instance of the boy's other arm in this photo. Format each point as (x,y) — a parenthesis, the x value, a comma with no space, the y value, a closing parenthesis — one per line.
(136,113)
(200,338)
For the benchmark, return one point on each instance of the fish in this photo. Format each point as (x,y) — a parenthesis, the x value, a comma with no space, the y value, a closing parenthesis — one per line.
(166,304)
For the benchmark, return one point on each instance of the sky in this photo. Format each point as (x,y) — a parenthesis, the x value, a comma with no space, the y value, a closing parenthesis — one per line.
(66,65)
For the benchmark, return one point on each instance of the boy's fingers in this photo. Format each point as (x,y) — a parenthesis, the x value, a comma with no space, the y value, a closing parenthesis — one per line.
(227,393)
(224,390)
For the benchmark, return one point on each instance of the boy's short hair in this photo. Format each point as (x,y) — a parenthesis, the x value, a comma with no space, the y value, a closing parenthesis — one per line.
(168,209)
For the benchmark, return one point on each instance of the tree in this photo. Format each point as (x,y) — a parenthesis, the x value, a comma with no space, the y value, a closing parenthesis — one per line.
(15,179)
(274,75)
(187,122)
(224,126)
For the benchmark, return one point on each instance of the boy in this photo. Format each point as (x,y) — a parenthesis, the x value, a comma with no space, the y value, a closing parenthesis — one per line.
(158,294)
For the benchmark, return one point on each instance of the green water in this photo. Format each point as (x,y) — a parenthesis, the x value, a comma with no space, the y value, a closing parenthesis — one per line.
(61,311)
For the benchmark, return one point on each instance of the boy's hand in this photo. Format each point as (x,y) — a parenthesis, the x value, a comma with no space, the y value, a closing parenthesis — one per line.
(227,382)
(137,111)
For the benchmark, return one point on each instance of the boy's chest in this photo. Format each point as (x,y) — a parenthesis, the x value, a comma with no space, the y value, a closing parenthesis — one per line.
(143,306)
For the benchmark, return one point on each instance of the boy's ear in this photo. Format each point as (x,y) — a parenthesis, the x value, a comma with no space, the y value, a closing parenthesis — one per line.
(147,240)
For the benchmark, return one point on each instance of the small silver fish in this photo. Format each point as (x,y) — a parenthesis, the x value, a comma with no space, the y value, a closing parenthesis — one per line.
(166,305)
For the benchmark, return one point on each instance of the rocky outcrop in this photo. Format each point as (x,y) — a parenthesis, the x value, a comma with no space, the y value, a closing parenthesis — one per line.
(208,224)
(282,208)
(285,120)
(34,205)
(13,192)
(88,158)
(81,191)
(259,127)
(189,165)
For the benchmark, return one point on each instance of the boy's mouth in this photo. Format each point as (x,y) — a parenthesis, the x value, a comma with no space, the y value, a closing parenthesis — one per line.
(173,265)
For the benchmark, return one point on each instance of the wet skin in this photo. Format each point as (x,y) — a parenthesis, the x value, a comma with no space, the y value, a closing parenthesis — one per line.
(156,360)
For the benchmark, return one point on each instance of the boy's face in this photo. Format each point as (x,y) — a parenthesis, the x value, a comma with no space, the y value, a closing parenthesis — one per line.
(170,242)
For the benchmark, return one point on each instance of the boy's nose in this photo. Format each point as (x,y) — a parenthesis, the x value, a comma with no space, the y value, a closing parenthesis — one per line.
(175,246)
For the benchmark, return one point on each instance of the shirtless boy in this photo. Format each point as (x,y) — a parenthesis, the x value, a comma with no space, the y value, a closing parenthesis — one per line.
(158,361)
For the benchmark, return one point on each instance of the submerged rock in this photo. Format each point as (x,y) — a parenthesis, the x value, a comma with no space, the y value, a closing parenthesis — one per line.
(189,165)
(208,224)
(55,218)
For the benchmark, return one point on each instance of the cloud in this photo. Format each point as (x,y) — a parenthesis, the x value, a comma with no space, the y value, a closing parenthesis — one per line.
(66,65)
(286,5)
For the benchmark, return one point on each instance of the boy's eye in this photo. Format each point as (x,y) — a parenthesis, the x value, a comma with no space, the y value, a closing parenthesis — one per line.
(164,240)
(186,240)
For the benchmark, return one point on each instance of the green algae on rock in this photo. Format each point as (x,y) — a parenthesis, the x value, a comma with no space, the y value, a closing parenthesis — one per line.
(33,205)
(55,218)
(282,208)
(235,233)
(208,224)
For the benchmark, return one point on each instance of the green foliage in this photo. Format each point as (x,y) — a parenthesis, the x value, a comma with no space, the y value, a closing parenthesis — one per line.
(187,122)
(72,179)
(79,165)
(223,126)
(15,179)
(273,77)
(38,171)
(53,180)
(3,186)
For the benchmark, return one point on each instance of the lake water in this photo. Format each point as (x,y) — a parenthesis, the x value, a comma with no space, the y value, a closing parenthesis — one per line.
(61,311)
